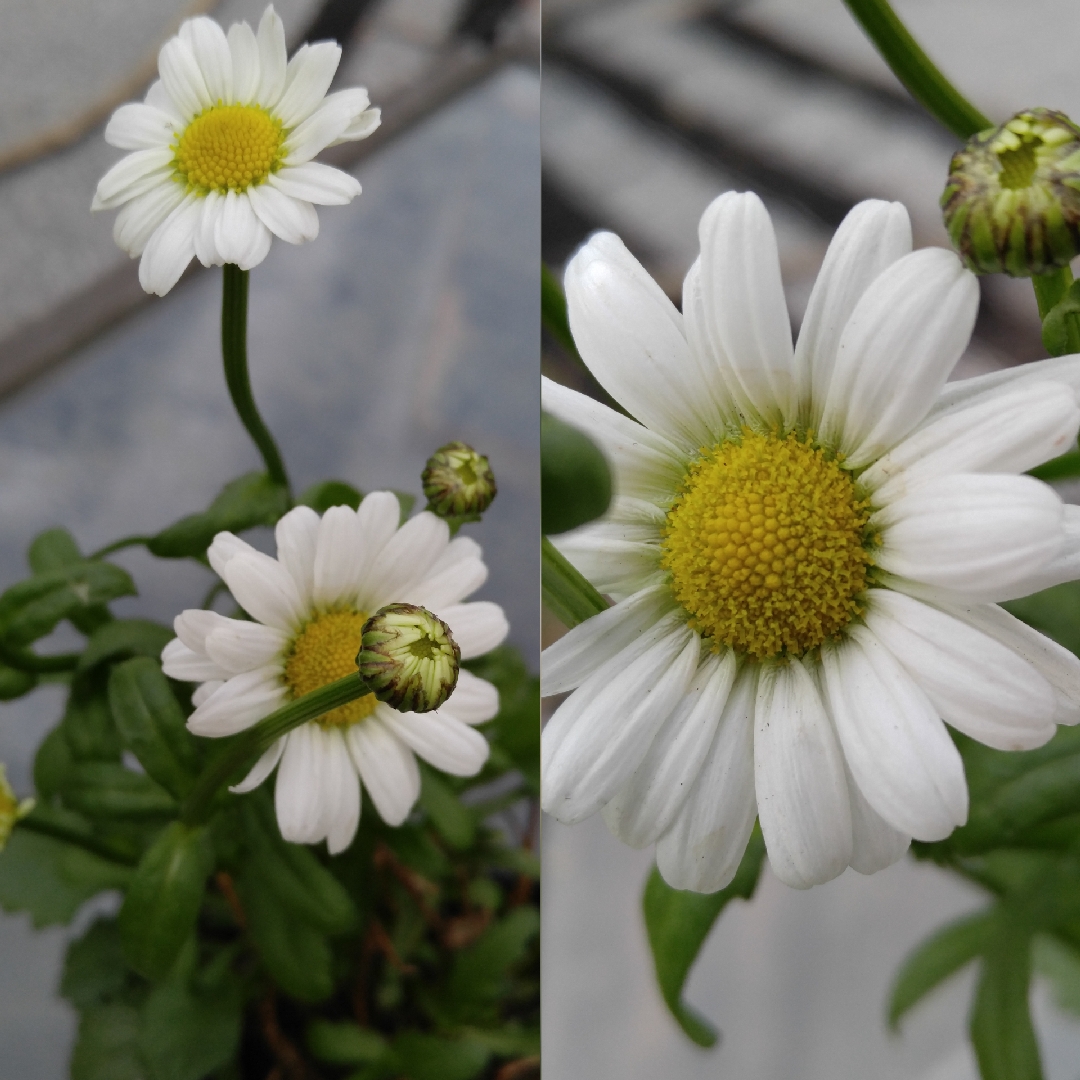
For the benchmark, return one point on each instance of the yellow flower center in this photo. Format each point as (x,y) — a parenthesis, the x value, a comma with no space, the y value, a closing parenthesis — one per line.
(324,652)
(766,545)
(229,148)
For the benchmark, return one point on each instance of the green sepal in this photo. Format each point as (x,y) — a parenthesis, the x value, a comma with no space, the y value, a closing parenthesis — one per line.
(250,500)
(1061,324)
(575,480)
(321,496)
(566,593)
(151,723)
(678,922)
(453,821)
(932,962)
(122,638)
(164,898)
(344,1043)
(108,789)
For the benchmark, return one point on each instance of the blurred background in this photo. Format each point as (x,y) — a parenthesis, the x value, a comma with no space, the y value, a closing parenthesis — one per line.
(651,108)
(412,320)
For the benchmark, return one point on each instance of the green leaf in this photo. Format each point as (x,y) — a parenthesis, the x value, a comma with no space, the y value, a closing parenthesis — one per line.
(151,723)
(50,879)
(122,638)
(88,724)
(430,1057)
(95,971)
(946,952)
(32,608)
(164,898)
(1065,467)
(344,1043)
(14,683)
(575,480)
(678,923)
(511,1042)
(416,849)
(1059,964)
(1000,1026)
(320,497)
(1060,326)
(454,822)
(107,1045)
(566,593)
(553,310)
(108,789)
(185,1035)
(52,763)
(52,550)
(251,500)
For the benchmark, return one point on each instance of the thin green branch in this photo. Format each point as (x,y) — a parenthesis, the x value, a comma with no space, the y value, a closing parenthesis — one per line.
(916,70)
(568,596)
(234,304)
(25,660)
(120,545)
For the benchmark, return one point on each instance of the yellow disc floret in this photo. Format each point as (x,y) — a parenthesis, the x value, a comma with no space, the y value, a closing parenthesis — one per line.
(766,545)
(229,148)
(324,651)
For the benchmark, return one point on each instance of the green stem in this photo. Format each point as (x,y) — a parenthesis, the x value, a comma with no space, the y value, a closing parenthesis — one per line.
(119,545)
(568,596)
(234,303)
(915,69)
(264,734)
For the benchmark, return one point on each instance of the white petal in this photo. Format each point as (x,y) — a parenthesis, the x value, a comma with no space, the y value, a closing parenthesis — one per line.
(244,50)
(211,51)
(802,792)
(322,128)
(298,794)
(340,791)
(415,547)
(265,590)
(294,221)
(972,533)
(644,465)
(580,651)
(875,844)
(601,733)
(337,555)
(1064,566)
(904,337)
(237,229)
(205,234)
(615,565)
(896,746)
(964,393)
(240,646)
(630,335)
(193,625)
(182,78)
(295,535)
(745,313)
(137,126)
(457,572)
(307,79)
(871,238)
(317,183)
(361,126)
(477,626)
(646,805)
(975,683)
(273,58)
(158,97)
(139,218)
(133,175)
(239,703)
(170,249)
(1008,432)
(387,768)
(703,848)
(261,769)
(180,662)
(474,700)
(202,693)
(223,547)
(379,517)
(439,739)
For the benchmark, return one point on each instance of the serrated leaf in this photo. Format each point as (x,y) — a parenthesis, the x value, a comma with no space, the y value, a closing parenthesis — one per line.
(320,497)
(932,962)
(52,763)
(88,724)
(251,500)
(95,971)
(108,789)
(107,1045)
(151,723)
(344,1043)
(51,550)
(164,898)
(122,638)
(1061,324)
(678,923)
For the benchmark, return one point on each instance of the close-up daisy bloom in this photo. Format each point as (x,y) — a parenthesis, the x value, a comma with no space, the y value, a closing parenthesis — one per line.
(307,608)
(222,149)
(805,553)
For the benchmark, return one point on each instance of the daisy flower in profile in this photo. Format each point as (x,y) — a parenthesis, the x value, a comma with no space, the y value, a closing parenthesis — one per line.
(222,149)
(806,550)
(307,609)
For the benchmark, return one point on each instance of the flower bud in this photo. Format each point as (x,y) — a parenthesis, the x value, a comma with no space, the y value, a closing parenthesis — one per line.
(458,482)
(408,658)
(1012,201)
(10,808)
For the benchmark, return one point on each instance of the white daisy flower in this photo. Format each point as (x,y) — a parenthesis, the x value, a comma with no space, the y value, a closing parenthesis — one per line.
(223,146)
(307,608)
(806,549)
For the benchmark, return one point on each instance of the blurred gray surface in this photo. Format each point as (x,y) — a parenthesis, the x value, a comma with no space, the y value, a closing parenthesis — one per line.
(410,321)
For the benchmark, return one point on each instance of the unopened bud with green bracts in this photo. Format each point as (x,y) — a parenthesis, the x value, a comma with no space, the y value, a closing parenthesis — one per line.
(408,658)
(1012,201)
(458,482)
(10,808)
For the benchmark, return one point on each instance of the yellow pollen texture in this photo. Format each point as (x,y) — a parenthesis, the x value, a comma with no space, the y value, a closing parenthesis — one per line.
(229,148)
(324,652)
(765,546)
